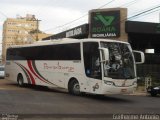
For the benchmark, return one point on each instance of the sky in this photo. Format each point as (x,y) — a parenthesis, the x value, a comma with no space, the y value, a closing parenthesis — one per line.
(56,14)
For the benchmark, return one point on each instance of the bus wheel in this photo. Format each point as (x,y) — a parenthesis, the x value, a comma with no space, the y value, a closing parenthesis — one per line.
(20,80)
(74,87)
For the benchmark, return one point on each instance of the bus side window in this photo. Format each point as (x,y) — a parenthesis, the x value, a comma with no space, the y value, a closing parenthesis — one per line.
(91,60)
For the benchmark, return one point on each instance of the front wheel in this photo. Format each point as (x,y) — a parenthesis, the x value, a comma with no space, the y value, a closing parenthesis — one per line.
(74,88)
(20,80)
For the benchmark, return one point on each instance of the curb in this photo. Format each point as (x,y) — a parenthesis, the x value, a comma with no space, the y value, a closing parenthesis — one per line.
(140,93)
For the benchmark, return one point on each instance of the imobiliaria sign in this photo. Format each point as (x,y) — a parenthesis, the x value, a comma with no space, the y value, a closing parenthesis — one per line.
(105,24)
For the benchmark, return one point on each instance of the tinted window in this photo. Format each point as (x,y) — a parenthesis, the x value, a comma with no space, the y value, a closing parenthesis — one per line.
(91,55)
(121,62)
(1,68)
(49,52)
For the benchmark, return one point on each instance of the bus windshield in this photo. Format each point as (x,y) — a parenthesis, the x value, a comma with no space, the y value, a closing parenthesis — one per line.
(121,61)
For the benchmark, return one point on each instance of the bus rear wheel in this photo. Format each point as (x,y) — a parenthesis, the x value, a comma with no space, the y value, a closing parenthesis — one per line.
(74,87)
(20,80)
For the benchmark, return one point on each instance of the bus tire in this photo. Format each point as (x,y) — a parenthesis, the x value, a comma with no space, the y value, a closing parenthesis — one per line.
(74,87)
(20,80)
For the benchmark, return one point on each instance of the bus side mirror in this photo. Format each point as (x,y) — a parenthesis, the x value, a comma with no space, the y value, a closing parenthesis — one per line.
(105,54)
(139,57)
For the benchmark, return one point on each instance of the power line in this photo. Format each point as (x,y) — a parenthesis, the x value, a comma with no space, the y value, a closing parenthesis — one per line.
(140,14)
(139,11)
(144,12)
(3,14)
(130,3)
(79,17)
(66,23)
(106,4)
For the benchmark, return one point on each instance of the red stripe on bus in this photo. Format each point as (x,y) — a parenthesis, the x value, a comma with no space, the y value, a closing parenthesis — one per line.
(30,75)
(25,72)
(33,71)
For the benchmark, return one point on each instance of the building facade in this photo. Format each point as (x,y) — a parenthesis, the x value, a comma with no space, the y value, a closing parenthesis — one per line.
(37,35)
(16,31)
(113,24)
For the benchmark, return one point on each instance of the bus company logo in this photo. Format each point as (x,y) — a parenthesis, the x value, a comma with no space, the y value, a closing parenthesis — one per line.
(96,86)
(105,20)
(58,67)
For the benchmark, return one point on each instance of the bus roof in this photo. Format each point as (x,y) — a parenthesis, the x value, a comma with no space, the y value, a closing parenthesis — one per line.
(65,41)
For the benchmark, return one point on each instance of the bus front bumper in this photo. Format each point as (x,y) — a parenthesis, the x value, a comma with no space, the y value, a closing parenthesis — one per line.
(108,89)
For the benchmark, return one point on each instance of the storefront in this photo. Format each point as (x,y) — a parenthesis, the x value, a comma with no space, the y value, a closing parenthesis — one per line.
(112,24)
(145,37)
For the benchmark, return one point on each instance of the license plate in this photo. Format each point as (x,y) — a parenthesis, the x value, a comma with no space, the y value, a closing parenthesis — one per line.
(123,90)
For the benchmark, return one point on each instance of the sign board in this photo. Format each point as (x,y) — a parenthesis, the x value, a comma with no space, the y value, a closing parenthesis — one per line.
(77,32)
(105,24)
(74,32)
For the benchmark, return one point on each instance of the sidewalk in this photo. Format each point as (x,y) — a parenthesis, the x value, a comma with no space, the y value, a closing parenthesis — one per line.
(9,85)
(140,91)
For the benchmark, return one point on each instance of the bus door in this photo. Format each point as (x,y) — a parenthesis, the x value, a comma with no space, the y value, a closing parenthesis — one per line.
(92,66)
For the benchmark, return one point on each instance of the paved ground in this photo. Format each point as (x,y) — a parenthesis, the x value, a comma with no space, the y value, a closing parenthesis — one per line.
(10,85)
(42,103)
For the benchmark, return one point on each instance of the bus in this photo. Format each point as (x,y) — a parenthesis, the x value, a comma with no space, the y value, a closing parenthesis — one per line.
(96,66)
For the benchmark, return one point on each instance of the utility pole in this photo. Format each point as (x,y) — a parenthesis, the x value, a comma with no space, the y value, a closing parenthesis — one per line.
(37,29)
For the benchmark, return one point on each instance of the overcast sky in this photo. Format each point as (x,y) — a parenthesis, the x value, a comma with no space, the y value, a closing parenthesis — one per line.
(55,13)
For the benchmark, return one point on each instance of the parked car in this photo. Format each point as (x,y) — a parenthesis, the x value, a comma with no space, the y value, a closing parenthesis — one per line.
(153,90)
(2,72)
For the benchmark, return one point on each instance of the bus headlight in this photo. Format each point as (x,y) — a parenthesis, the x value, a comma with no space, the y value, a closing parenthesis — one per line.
(109,82)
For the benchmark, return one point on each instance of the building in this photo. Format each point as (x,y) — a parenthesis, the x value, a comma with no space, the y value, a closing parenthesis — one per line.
(16,31)
(103,23)
(145,36)
(112,24)
(37,35)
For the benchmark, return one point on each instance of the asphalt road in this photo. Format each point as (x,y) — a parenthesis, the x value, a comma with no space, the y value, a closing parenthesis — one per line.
(41,102)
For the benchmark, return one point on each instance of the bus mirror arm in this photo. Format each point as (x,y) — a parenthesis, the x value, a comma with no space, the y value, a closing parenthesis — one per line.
(104,61)
(105,55)
(142,57)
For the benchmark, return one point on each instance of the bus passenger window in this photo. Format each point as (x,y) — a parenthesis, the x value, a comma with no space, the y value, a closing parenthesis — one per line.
(91,60)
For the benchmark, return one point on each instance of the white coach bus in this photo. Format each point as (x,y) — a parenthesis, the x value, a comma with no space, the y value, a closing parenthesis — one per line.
(97,66)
